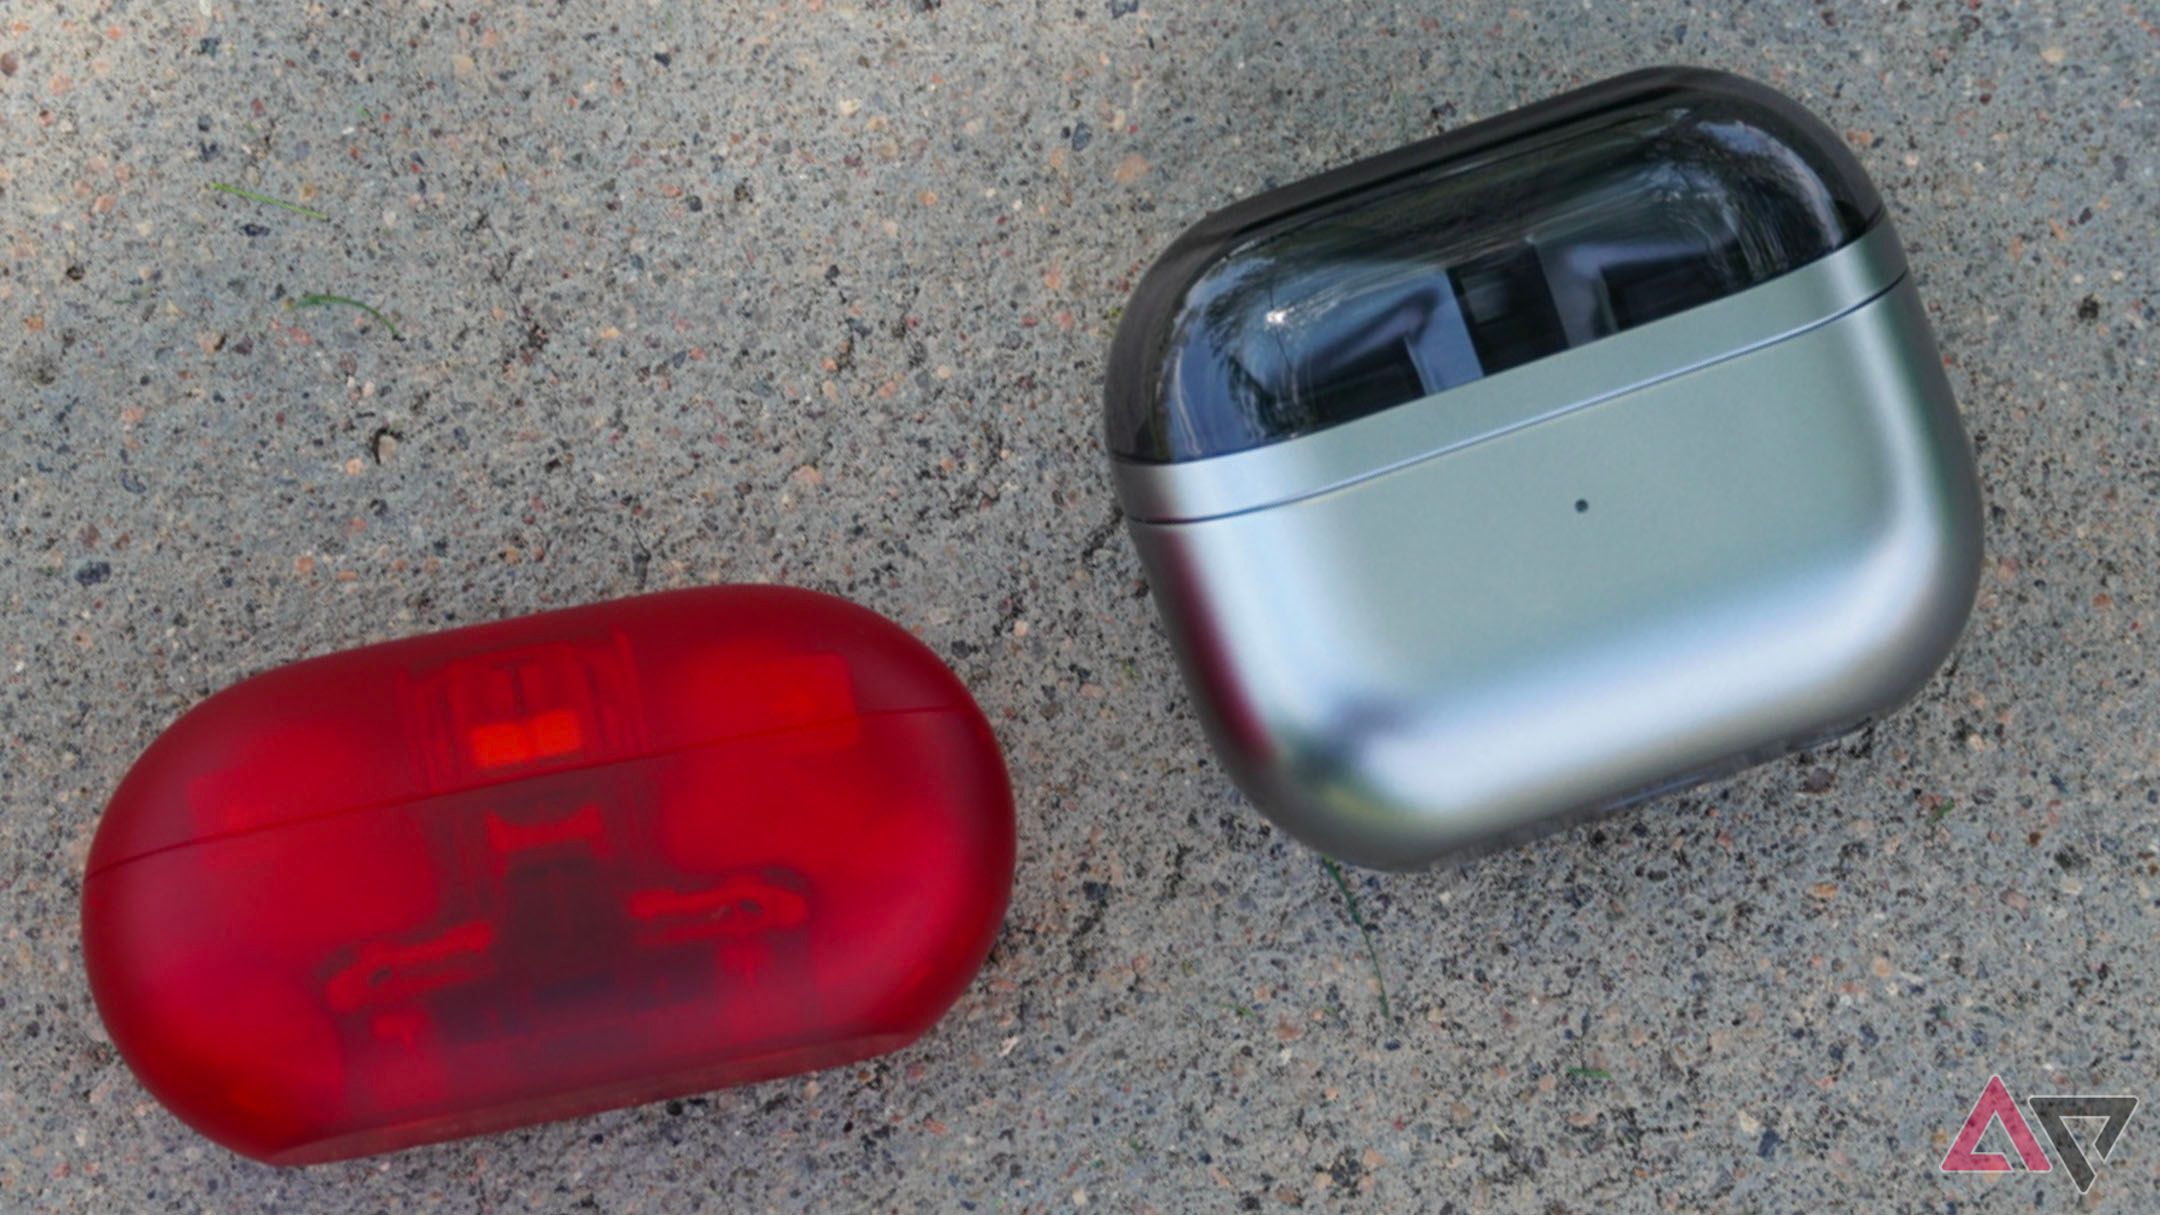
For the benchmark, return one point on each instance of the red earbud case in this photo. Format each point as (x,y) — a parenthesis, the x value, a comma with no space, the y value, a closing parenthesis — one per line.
(543,867)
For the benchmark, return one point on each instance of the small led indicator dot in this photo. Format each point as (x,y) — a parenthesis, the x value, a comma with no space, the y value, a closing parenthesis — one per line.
(1581,505)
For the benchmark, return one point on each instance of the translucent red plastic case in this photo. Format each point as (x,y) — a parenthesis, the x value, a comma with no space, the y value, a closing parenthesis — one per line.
(543,867)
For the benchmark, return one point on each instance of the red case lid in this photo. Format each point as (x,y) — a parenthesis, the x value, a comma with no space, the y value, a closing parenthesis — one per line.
(537,868)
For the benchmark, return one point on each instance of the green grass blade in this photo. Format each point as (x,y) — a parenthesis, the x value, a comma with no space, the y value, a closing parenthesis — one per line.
(1357,917)
(315,300)
(265,199)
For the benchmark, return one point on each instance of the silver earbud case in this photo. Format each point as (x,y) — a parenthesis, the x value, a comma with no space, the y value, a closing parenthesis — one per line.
(1544,466)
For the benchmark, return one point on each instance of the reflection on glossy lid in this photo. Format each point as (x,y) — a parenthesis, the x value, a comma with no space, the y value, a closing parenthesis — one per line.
(1460,257)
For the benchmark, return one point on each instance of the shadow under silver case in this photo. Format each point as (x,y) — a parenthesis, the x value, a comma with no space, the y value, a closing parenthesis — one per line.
(1501,590)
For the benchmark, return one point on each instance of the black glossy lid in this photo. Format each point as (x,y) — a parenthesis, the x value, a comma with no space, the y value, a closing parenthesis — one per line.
(1459,257)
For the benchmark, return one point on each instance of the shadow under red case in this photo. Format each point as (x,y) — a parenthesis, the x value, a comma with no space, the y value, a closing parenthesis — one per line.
(543,867)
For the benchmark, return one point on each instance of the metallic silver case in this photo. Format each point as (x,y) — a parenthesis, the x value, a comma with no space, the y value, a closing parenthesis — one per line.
(1601,575)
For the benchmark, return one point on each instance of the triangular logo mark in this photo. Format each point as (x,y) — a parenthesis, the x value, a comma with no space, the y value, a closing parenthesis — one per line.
(1995,1103)
(2052,1110)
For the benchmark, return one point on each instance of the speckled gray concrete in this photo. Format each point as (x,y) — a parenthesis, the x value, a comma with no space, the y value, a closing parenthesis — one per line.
(820,294)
